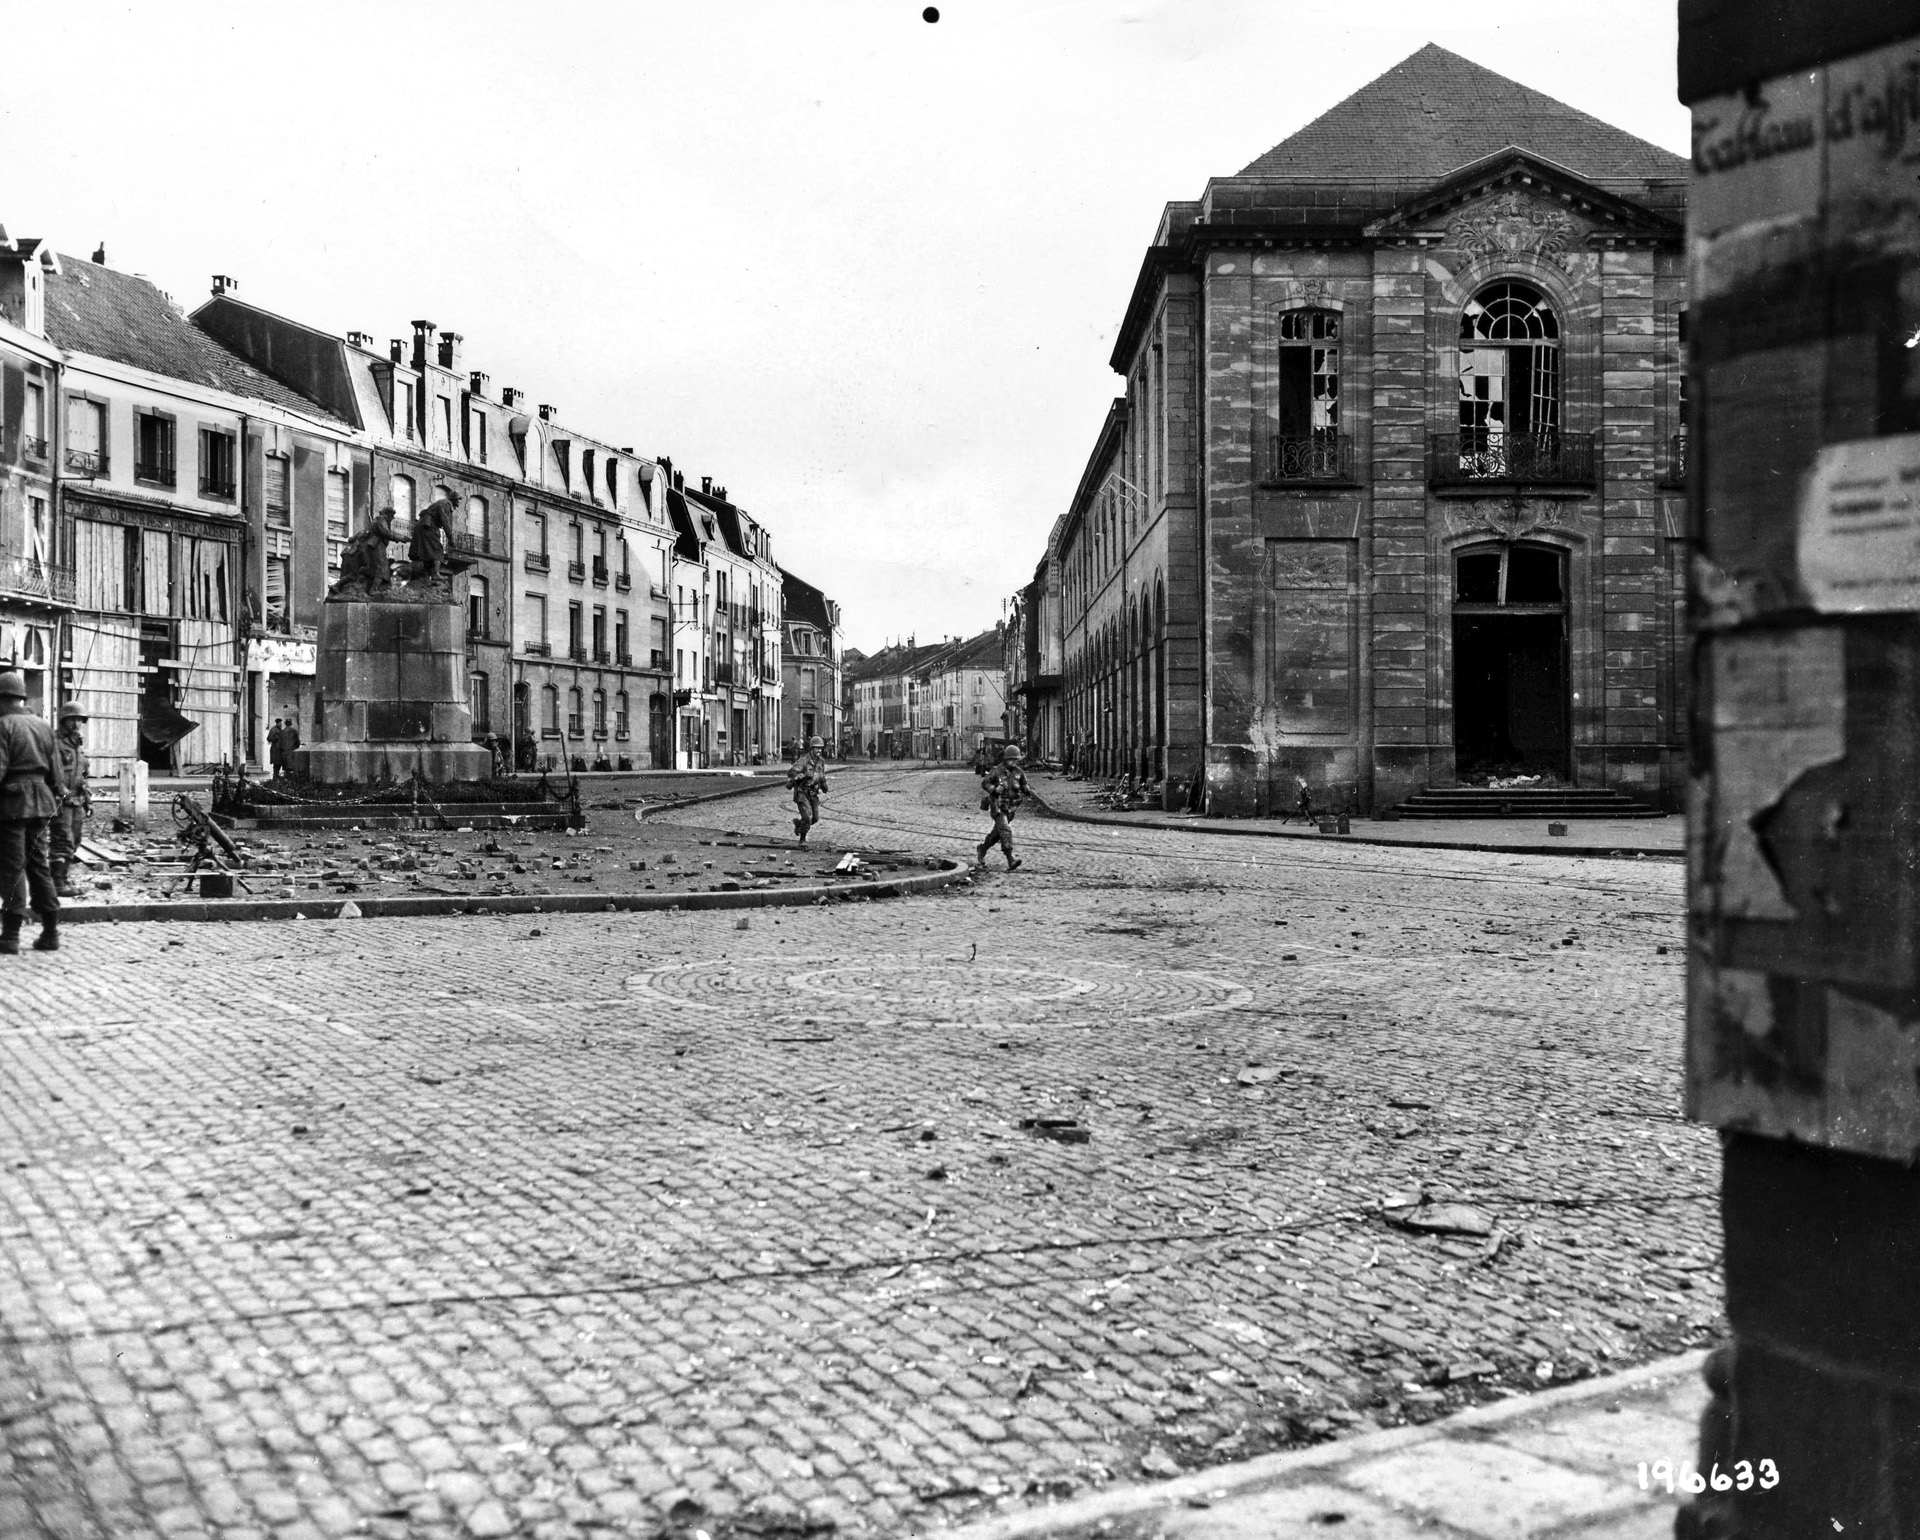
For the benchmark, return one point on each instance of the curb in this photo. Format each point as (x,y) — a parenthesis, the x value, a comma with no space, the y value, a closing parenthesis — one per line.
(374,907)
(1226,1482)
(1226,826)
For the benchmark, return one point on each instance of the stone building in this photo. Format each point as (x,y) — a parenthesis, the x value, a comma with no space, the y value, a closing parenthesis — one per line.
(810,665)
(957,694)
(1394,493)
(36,574)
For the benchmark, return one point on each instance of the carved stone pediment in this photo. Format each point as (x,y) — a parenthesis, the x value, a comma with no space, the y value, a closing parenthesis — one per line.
(1505,518)
(1514,223)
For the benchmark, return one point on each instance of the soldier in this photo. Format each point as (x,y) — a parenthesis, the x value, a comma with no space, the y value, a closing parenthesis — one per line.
(76,806)
(1006,787)
(808,778)
(31,791)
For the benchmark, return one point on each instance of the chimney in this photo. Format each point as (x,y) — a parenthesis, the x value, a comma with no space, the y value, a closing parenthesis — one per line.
(100,254)
(706,485)
(222,284)
(477,383)
(397,350)
(511,397)
(721,493)
(450,351)
(547,410)
(666,463)
(422,340)
(679,482)
(626,449)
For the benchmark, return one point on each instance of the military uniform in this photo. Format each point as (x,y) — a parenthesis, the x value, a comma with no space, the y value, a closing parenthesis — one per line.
(808,778)
(1006,788)
(69,824)
(31,793)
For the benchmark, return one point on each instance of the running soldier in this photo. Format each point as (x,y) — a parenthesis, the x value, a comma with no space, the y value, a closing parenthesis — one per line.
(808,778)
(69,825)
(1006,788)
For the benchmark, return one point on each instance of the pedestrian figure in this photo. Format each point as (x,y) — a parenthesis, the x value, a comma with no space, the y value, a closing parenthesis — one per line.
(31,791)
(808,778)
(1006,788)
(76,805)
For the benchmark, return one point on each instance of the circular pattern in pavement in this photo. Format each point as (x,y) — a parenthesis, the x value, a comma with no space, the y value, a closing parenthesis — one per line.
(907,988)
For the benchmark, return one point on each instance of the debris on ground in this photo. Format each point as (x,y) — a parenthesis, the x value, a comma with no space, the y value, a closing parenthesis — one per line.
(1427,1217)
(1061,1130)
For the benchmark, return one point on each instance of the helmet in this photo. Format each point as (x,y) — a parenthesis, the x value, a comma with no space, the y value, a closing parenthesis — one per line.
(14,683)
(815,743)
(73,711)
(1012,751)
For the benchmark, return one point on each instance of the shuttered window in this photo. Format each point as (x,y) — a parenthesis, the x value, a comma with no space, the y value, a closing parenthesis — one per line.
(279,507)
(336,519)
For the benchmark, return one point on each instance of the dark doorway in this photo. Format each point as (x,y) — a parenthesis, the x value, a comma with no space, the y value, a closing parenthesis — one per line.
(1510,668)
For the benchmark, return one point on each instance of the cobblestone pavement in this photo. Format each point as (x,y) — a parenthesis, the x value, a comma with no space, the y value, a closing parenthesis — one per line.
(480,1227)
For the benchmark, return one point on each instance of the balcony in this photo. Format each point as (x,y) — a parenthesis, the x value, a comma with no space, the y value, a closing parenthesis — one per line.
(537,561)
(153,471)
(622,583)
(222,490)
(577,651)
(657,661)
(538,649)
(1675,472)
(622,657)
(466,543)
(602,656)
(599,573)
(577,571)
(1475,456)
(34,448)
(1321,458)
(28,577)
(90,463)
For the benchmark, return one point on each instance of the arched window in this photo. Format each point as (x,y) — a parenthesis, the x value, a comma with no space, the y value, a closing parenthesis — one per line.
(1509,369)
(551,713)
(400,491)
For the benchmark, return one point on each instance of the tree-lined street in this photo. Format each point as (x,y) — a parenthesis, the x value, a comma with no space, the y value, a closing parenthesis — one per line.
(496,1226)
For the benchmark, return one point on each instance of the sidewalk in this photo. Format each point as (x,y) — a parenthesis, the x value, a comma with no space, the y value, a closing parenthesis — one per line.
(1627,837)
(1563,1463)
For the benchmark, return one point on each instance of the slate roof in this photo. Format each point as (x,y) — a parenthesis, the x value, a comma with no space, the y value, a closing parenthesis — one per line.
(1434,112)
(802,601)
(95,310)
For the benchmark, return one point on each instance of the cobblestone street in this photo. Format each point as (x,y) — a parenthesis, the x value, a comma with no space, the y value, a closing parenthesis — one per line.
(597,1224)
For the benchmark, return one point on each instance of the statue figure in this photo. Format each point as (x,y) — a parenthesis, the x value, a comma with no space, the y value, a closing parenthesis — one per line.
(364,568)
(432,541)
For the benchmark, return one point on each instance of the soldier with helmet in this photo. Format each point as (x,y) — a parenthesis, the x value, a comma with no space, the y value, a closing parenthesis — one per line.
(1005,788)
(69,825)
(32,790)
(808,778)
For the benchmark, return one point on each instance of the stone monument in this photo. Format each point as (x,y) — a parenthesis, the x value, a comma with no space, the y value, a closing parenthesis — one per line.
(393,664)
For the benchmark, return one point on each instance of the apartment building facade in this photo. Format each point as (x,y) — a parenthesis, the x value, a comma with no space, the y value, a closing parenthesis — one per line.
(810,669)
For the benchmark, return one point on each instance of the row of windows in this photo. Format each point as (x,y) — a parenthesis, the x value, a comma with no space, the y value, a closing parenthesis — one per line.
(155,444)
(578,701)
(598,477)
(581,626)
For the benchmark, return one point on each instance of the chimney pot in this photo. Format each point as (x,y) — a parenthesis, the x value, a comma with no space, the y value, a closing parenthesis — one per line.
(223,284)
(509,396)
(626,449)
(546,411)
(100,254)
(706,485)
(450,351)
(397,350)
(477,383)
(360,340)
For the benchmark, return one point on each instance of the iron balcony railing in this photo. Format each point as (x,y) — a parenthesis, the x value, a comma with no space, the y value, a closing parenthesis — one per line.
(1549,458)
(211,486)
(1676,475)
(1323,456)
(622,582)
(599,573)
(28,577)
(86,462)
(622,657)
(577,570)
(657,661)
(154,471)
(578,652)
(469,543)
(537,561)
(538,649)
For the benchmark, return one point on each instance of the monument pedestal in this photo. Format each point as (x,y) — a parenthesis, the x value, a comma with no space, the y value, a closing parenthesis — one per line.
(393,692)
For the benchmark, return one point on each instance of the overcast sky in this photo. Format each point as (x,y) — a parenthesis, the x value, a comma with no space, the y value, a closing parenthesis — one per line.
(863,270)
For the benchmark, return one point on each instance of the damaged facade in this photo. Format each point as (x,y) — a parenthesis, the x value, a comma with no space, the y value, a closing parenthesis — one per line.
(1393,497)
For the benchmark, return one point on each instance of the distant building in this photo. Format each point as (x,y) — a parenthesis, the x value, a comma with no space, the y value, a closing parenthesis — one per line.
(810,667)
(853,745)
(958,696)
(1394,495)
